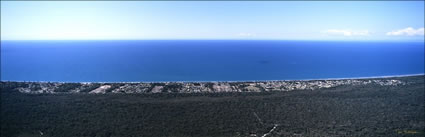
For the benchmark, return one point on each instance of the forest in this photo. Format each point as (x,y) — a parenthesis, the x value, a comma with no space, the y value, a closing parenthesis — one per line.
(347,110)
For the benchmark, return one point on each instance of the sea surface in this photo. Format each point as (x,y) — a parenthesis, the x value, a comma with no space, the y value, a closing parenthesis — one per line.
(205,60)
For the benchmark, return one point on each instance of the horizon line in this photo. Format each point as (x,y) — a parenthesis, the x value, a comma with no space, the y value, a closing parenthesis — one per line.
(378,40)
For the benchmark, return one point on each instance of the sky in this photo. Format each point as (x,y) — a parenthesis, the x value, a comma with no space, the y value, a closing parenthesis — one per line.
(249,20)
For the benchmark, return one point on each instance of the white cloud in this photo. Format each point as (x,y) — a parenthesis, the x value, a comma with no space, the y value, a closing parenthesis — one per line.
(243,34)
(346,32)
(407,31)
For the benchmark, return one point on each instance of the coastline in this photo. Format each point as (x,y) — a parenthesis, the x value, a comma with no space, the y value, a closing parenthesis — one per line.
(201,87)
(235,81)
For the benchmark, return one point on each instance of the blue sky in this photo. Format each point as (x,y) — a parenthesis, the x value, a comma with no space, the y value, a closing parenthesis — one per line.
(281,20)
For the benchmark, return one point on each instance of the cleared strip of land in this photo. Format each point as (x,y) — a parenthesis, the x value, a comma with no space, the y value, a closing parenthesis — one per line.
(193,87)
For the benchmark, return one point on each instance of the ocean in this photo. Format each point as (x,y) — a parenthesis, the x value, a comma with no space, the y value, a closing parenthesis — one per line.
(205,60)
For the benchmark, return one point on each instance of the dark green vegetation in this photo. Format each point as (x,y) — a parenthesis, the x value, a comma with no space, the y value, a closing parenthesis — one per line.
(363,110)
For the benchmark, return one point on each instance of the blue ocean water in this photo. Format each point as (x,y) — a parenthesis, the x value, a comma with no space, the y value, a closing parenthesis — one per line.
(205,60)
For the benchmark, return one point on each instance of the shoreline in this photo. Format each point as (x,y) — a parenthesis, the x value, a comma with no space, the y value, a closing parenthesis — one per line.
(236,81)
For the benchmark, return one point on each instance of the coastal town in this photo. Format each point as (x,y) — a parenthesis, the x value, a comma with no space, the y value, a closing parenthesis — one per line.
(189,87)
